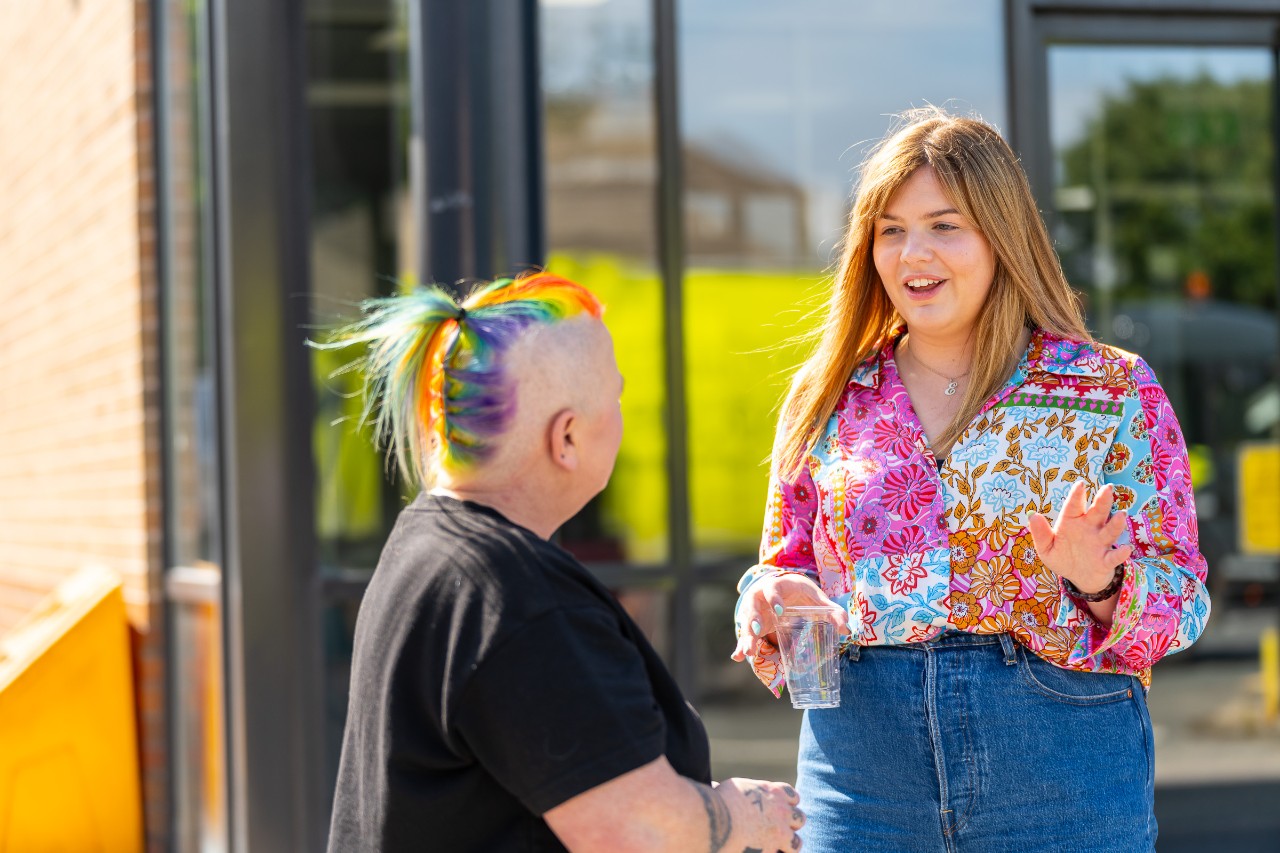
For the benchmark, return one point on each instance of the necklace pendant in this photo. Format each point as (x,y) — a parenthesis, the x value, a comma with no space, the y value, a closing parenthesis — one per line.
(951,389)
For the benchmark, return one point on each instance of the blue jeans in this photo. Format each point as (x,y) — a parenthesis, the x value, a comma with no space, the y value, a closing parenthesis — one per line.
(971,744)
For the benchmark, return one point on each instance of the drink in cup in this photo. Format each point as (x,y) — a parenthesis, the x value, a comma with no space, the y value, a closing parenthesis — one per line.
(807,640)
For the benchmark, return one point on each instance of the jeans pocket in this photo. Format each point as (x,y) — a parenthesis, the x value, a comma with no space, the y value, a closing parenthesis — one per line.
(1071,686)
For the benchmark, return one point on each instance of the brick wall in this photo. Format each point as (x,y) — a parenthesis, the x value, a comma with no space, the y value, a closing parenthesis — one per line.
(79,372)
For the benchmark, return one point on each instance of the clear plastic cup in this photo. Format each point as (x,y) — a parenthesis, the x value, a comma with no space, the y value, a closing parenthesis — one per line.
(807,640)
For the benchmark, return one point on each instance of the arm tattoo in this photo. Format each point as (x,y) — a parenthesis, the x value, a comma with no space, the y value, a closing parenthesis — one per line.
(718,820)
(756,796)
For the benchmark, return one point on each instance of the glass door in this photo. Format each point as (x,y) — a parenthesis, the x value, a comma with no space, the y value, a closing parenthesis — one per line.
(1165,219)
(1153,151)
(1164,212)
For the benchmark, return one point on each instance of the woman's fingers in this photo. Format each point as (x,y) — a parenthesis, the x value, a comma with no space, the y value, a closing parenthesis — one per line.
(1115,526)
(757,622)
(1121,554)
(839,615)
(769,599)
(1041,533)
(1074,506)
(1100,509)
(773,611)
(1082,538)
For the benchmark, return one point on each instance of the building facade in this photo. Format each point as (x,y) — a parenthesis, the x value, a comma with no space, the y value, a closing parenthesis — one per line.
(193,188)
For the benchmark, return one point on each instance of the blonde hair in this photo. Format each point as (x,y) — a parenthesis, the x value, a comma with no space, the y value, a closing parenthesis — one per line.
(980,175)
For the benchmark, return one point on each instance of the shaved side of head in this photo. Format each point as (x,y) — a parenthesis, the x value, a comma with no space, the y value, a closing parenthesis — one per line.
(552,368)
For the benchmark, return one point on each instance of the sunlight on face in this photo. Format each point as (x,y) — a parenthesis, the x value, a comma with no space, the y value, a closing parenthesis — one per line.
(935,265)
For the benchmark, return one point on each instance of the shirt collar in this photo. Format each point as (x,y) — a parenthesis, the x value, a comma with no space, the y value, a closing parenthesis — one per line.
(1049,353)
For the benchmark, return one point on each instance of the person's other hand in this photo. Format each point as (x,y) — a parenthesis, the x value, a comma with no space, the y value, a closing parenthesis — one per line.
(766,815)
(764,603)
(1081,545)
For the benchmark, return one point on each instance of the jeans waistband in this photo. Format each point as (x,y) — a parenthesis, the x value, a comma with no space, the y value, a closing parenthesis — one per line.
(952,639)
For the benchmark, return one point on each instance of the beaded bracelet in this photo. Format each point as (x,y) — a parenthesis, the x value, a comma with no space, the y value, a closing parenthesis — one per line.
(1117,580)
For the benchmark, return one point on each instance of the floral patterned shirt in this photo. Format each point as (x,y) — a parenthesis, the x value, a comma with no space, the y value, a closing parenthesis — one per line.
(912,547)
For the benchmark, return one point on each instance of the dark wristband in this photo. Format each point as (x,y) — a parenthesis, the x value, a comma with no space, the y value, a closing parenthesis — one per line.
(1117,580)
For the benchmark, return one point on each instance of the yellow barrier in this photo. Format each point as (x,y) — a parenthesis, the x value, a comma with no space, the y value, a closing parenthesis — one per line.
(68,739)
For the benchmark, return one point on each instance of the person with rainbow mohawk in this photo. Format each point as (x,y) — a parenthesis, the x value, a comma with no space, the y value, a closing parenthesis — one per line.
(501,699)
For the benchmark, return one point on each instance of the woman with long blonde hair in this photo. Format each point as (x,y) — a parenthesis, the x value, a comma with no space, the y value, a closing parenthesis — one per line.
(994,506)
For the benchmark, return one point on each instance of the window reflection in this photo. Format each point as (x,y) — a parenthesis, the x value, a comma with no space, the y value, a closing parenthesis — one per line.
(601,172)
(191,418)
(362,244)
(779,101)
(193,578)
(1166,221)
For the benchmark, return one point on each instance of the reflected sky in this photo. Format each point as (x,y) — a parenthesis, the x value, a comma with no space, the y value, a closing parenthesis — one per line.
(794,90)
(1080,76)
(803,89)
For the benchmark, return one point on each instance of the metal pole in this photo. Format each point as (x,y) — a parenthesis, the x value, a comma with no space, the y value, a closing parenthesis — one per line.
(671,265)
(1275,224)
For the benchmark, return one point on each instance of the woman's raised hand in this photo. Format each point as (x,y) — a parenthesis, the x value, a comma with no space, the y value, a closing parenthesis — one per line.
(1081,545)
(759,611)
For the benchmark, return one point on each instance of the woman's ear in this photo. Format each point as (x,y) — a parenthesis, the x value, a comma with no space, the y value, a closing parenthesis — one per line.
(563,440)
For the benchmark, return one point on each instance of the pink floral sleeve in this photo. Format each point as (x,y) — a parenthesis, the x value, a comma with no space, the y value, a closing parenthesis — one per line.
(786,546)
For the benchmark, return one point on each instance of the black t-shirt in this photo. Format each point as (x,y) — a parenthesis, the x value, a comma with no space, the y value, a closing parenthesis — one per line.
(493,679)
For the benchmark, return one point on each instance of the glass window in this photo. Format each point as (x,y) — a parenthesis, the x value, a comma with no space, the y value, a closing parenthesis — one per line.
(779,103)
(362,245)
(194,524)
(193,581)
(601,173)
(1164,213)
(1165,220)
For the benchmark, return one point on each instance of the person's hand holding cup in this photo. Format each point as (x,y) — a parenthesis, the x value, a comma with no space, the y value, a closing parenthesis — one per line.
(766,607)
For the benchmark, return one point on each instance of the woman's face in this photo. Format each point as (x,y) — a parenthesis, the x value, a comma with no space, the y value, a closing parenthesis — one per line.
(936,266)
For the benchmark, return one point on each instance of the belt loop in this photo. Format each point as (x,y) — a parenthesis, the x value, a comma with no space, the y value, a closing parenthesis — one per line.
(855,652)
(1010,650)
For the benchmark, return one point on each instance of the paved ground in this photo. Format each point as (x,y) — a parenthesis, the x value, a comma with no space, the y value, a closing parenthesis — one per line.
(1217,762)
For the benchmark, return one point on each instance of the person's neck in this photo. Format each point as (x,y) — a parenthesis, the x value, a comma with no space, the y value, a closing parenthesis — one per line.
(951,357)
(512,501)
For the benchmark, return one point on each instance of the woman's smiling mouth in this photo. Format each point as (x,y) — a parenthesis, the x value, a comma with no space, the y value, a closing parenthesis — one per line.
(923,285)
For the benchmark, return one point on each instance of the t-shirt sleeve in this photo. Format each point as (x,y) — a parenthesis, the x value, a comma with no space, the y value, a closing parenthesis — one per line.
(562,705)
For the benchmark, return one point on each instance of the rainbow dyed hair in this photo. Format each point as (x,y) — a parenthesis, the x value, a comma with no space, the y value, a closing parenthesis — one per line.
(434,386)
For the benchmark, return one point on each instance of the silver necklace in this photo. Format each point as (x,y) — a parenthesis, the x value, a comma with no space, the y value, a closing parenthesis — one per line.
(952,384)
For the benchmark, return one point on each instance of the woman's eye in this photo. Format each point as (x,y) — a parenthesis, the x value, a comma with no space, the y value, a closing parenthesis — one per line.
(889,230)
(945,226)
